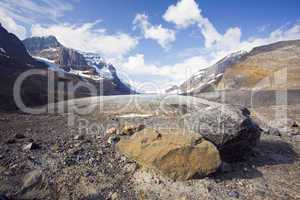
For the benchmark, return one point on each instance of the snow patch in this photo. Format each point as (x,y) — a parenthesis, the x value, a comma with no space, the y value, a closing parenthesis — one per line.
(131,115)
(2,50)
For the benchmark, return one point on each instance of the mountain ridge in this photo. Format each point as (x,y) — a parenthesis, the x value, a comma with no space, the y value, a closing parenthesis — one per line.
(247,70)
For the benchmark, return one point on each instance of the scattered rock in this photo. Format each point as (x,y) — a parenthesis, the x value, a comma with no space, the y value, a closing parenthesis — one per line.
(31,146)
(230,128)
(131,129)
(175,154)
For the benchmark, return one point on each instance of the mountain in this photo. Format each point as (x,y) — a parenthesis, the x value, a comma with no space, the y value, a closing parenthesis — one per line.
(89,66)
(15,59)
(256,69)
(274,66)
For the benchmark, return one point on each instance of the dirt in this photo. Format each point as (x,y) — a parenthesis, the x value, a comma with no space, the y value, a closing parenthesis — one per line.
(87,167)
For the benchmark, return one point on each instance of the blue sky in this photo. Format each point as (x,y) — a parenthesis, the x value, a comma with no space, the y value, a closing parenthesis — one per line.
(159,41)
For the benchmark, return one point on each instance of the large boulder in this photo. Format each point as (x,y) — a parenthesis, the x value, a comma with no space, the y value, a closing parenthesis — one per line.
(230,128)
(174,153)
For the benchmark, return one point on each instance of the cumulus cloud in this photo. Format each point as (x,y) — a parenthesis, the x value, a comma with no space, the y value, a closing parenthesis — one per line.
(188,12)
(136,65)
(11,26)
(163,36)
(86,37)
(183,14)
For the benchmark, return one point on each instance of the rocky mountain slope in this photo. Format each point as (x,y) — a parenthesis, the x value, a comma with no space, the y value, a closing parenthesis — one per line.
(14,60)
(87,65)
(274,66)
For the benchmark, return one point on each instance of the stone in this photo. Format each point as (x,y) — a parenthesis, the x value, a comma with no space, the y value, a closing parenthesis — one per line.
(11,141)
(295,125)
(111,131)
(35,186)
(31,179)
(79,137)
(174,153)
(296,138)
(234,194)
(31,146)
(114,196)
(274,131)
(230,128)
(131,129)
(113,139)
(19,136)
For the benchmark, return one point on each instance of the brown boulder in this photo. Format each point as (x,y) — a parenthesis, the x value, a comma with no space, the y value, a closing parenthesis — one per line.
(174,153)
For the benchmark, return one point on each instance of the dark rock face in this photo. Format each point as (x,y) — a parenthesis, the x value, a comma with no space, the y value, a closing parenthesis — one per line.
(229,128)
(71,58)
(13,48)
(37,44)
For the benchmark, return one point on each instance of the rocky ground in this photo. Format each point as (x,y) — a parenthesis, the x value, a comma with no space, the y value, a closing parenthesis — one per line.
(46,156)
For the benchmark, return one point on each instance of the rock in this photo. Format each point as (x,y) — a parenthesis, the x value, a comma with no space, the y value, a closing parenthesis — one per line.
(114,196)
(79,137)
(230,128)
(234,194)
(19,136)
(295,125)
(174,153)
(274,131)
(11,141)
(31,179)
(296,138)
(31,146)
(111,131)
(113,139)
(35,186)
(131,129)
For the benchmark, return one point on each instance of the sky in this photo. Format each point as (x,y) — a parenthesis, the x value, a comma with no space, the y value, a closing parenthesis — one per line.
(157,43)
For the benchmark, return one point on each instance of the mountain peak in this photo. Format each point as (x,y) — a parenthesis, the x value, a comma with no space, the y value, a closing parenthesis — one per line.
(36,44)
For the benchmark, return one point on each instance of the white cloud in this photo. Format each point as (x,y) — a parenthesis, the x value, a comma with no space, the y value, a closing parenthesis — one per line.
(165,76)
(28,11)
(163,36)
(86,37)
(136,65)
(187,12)
(11,26)
(183,14)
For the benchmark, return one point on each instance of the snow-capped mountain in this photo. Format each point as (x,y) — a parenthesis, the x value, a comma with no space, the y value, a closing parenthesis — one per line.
(88,66)
(205,79)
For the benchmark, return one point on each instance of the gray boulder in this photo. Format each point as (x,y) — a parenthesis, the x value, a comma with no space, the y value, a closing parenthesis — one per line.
(230,128)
